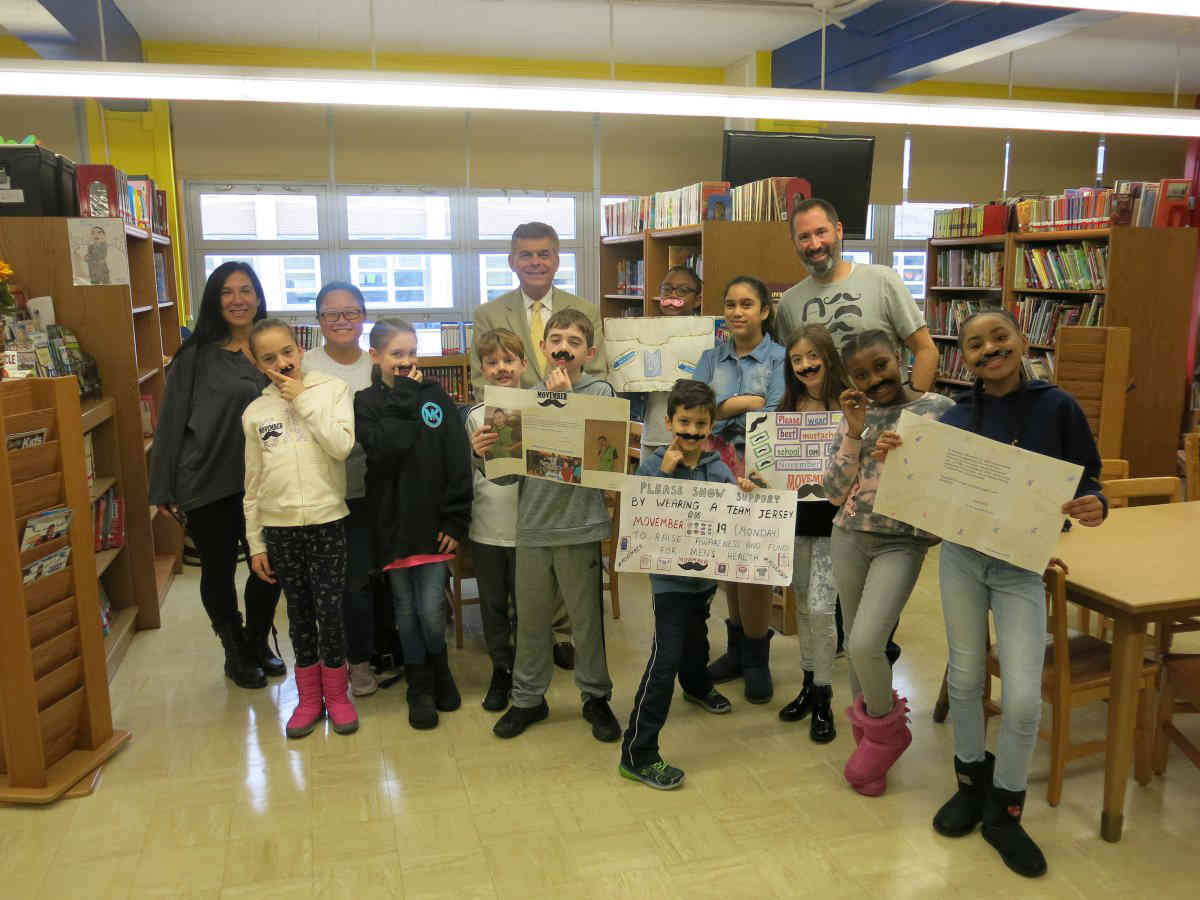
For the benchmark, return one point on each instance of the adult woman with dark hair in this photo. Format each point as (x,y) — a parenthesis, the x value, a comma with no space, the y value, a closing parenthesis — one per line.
(197,468)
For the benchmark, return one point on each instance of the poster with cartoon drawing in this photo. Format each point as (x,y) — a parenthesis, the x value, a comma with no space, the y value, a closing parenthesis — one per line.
(558,435)
(788,450)
(98,251)
(652,353)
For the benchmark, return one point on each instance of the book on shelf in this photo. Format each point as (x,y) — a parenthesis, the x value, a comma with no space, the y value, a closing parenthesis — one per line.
(454,338)
(108,521)
(683,206)
(969,267)
(451,380)
(951,363)
(1039,366)
(977,220)
(45,526)
(149,414)
(684,255)
(1076,266)
(89,458)
(105,610)
(628,216)
(631,276)
(160,278)
(769,199)
(307,336)
(1072,210)
(1041,317)
(1173,203)
(946,315)
(46,565)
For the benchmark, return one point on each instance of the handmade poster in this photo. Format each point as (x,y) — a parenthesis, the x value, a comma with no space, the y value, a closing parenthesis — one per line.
(995,498)
(99,254)
(698,528)
(557,435)
(652,353)
(788,451)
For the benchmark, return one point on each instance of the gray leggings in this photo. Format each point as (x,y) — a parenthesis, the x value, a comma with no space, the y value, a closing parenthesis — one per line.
(875,573)
(816,603)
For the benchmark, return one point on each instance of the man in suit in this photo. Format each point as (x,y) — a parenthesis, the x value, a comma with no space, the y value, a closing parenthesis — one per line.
(525,311)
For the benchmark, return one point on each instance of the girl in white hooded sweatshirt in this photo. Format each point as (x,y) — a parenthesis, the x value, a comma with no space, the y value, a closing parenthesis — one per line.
(298,435)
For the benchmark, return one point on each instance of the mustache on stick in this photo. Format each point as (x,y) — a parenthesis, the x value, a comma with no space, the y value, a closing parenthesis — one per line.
(671,302)
(288,369)
(563,356)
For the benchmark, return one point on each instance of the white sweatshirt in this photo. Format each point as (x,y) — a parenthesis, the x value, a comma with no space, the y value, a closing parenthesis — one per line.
(295,456)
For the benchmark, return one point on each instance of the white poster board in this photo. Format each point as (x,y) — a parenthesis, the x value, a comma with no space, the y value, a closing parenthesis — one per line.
(697,528)
(651,353)
(992,497)
(789,451)
(557,435)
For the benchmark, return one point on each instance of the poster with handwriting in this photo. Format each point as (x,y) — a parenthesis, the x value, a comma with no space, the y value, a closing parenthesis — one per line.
(701,529)
(651,353)
(788,450)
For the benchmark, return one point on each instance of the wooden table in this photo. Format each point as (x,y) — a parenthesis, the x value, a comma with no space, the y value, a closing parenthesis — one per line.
(1141,564)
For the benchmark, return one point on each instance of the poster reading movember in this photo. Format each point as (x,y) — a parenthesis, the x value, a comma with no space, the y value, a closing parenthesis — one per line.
(557,436)
(788,451)
(701,529)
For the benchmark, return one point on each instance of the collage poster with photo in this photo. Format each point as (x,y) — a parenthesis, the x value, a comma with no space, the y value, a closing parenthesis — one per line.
(557,436)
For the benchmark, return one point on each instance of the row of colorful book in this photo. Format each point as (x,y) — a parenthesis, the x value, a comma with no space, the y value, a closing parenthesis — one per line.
(457,337)
(977,220)
(945,316)
(108,521)
(631,276)
(1081,266)
(768,199)
(969,267)
(451,379)
(951,363)
(1041,317)
(106,191)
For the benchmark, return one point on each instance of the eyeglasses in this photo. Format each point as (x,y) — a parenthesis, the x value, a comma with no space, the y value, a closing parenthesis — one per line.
(339,315)
(679,290)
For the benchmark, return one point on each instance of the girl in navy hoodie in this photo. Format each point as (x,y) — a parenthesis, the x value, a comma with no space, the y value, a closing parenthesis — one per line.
(1042,418)
(419,493)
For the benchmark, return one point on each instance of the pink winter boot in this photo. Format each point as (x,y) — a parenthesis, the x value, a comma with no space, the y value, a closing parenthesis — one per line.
(883,740)
(335,683)
(309,710)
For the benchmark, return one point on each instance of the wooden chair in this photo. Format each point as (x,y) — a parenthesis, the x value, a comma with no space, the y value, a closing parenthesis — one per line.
(1077,670)
(462,567)
(1191,465)
(1111,469)
(1179,693)
(608,549)
(1163,489)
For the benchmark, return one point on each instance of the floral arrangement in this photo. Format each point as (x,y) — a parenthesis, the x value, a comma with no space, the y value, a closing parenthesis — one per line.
(6,297)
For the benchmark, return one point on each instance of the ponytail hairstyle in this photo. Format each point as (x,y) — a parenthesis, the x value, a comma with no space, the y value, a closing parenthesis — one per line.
(977,387)
(836,379)
(764,298)
(386,328)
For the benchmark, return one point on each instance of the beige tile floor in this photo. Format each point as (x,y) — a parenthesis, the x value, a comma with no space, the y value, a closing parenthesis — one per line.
(210,799)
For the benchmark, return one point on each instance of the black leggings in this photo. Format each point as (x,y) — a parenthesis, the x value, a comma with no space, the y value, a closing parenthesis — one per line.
(309,561)
(218,530)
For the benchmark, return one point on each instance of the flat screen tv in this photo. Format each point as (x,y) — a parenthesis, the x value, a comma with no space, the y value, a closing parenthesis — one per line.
(837,166)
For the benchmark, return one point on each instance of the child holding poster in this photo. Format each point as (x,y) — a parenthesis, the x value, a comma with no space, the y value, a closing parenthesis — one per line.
(876,560)
(681,602)
(1044,419)
(814,379)
(677,296)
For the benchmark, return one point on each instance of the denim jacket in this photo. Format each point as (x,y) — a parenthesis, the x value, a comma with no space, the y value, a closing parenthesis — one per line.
(758,373)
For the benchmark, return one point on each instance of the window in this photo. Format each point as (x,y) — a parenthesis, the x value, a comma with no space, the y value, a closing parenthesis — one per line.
(862,257)
(430,255)
(910,265)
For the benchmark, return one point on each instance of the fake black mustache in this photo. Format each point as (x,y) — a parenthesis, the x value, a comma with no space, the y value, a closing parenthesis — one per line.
(685,436)
(807,490)
(288,369)
(694,566)
(872,391)
(563,355)
(808,370)
(995,354)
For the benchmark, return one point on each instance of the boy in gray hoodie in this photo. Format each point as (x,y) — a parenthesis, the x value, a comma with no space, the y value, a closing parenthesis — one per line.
(559,530)
(681,602)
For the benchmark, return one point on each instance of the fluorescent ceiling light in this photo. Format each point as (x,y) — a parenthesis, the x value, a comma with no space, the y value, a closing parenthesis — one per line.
(47,78)
(1155,7)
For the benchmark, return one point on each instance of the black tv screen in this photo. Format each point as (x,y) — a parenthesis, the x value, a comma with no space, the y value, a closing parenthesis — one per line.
(837,166)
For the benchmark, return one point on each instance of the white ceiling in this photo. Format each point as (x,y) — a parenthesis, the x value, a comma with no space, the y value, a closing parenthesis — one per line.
(1130,52)
(687,32)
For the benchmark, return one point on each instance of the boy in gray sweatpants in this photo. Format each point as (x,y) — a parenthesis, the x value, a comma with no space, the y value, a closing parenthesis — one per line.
(559,530)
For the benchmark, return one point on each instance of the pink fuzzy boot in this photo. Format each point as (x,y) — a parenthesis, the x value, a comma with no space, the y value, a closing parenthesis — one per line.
(335,683)
(310,710)
(883,740)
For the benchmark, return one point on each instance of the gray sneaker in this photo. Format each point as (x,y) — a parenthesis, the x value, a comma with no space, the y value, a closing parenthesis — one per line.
(659,775)
(362,679)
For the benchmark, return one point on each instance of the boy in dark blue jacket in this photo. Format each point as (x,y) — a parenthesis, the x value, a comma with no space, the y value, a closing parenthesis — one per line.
(681,603)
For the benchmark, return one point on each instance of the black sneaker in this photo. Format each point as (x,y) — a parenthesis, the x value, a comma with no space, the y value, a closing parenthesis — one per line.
(713,702)
(496,697)
(659,775)
(604,724)
(518,718)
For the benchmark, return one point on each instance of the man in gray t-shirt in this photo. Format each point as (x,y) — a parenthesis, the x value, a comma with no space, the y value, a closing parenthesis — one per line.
(847,297)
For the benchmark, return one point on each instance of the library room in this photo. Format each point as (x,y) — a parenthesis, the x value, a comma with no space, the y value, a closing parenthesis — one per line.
(599,448)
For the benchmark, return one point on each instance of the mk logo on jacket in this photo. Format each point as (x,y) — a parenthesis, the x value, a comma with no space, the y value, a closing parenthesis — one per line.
(431,414)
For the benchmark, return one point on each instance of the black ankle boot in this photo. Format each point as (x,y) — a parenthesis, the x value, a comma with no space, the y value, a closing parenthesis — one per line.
(259,625)
(422,712)
(799,708)
(729,666)
(239,665)
(1002,829)
(961,813)
(822,730)
(756,667)
(445,691)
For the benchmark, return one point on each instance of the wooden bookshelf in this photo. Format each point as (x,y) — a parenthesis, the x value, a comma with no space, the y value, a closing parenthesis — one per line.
(55,713)
(452,372)
(1093,367)
(1148,289)
(728,249)
(132,332)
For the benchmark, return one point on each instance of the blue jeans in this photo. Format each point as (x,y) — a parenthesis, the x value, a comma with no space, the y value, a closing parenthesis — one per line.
(973,583)
(420,604)
(680,649)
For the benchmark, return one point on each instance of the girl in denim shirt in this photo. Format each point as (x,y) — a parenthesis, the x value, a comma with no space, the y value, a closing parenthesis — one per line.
(746,374)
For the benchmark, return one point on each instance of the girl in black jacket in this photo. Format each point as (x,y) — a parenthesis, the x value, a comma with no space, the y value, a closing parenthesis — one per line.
(419,489)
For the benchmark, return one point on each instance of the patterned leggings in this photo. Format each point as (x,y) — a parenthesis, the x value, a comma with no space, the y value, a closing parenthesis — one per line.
(816,606)
(310,564)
